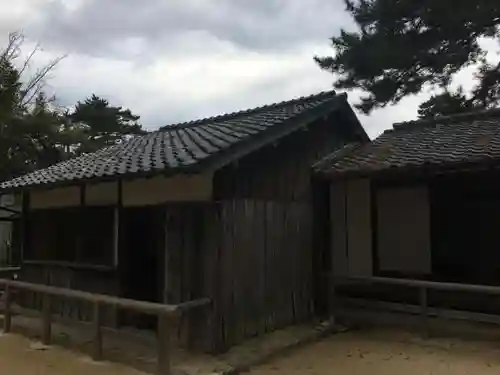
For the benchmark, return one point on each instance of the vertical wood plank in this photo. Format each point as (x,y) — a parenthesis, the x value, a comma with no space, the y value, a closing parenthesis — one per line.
(270,270)
(97,334)
(238,250)
(216,275)
(251,267)
(260,251)
(46,324)
(25,223)
(227,274)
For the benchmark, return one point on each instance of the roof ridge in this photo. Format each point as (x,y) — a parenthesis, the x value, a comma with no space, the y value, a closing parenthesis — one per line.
(230,115)
(449,119)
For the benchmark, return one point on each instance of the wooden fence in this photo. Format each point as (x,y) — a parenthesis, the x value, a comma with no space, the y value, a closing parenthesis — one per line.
(422,288)
(166,314)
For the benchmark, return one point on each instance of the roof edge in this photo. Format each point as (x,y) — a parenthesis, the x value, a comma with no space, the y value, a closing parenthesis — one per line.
(230,115)
(230,155)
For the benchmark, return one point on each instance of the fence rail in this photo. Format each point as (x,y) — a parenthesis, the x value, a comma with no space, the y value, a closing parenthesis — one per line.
(167,314)
(422,286)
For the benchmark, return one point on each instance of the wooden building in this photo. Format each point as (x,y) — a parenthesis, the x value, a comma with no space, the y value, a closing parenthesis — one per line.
(218,208)
(422,201)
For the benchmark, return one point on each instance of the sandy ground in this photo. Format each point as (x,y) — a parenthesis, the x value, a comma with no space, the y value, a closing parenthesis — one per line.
(388,353)
(21,356)
(376,352)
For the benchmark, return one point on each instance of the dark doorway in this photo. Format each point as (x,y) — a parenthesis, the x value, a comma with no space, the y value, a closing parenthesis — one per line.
(142,235)
(465,211)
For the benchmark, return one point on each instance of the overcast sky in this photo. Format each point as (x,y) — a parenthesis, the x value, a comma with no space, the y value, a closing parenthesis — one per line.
(177,60)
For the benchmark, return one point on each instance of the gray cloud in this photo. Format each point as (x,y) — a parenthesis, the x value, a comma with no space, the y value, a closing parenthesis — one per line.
(100,27)
(178,60)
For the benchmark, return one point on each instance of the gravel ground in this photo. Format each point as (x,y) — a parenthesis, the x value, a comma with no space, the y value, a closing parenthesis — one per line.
(385,352)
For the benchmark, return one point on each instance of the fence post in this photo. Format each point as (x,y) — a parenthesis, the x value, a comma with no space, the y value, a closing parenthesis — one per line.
(423,310)
(46,324)
(97,339)
(333,299)
(7,320)
(164,344)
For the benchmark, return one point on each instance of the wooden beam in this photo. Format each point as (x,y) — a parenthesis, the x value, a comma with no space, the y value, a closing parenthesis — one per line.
(365,304)
(116,226)
(72,265)
(126,303)
(25,225)
(9,219)
(434,285)
(9,210)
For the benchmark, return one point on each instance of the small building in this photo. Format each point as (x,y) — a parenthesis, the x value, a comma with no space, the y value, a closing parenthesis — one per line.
(422,201)
(218,208)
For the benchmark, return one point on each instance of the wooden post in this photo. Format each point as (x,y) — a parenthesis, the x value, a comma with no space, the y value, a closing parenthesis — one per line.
(116,224)
(79,251)
(117,246)
(46,325)
(97,339)
(25,235)
(7,320)
(332,303)
(423,309)
(164,344)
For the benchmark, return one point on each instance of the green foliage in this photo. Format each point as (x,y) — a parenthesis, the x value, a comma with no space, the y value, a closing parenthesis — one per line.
(102,124)
(445,104)
(35,133)
(401,46)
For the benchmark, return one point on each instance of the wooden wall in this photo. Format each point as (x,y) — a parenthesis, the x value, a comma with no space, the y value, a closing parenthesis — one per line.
(403,230)
(282,171)
(257,268)
(136,192)
(351,228)
(184,234)
(259,256)
(250,250)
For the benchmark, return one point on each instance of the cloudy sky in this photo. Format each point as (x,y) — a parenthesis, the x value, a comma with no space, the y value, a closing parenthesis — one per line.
(177,60)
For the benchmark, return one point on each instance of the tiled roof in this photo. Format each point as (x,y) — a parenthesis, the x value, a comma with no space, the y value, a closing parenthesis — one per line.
(187,145)
(443,142)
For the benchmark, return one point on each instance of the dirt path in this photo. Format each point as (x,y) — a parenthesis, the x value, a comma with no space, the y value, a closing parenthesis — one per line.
(374,352)
(388,353)
(19,356)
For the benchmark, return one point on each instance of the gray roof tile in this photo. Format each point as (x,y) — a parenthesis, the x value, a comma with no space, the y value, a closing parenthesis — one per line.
(175,147)
(446,141)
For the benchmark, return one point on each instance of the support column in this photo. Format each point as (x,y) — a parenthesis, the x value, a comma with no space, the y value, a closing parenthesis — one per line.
(116,228)
(25,232)
(80,247)
(118,265)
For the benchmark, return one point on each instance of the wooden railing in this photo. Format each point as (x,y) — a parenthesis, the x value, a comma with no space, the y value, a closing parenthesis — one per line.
(167,315)
(423,287)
